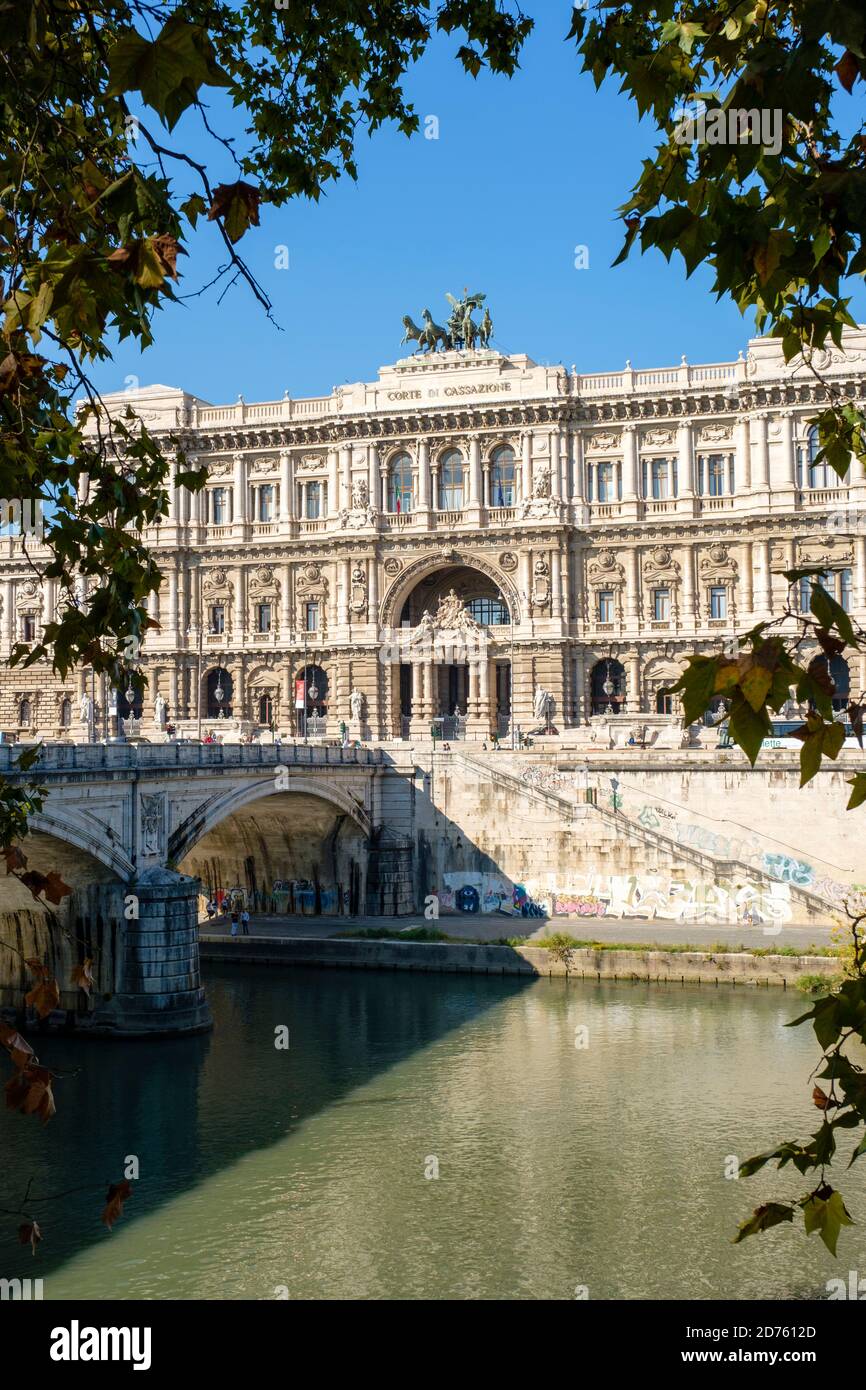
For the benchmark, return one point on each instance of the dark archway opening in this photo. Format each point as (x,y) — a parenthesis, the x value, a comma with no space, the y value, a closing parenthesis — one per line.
(607,687)
(219,694)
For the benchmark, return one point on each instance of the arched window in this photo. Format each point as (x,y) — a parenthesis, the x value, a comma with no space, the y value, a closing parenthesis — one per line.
(400,485)
(810,473)
(65,712)
(266,709)
(490,612)
(451,481)
(607,684)
(502,477)
(25,712)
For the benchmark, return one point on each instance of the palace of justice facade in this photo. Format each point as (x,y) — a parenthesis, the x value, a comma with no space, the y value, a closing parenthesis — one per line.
(463,533)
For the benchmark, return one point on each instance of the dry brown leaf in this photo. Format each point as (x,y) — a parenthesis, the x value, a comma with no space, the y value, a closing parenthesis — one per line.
(44,996)
(118,1193)
(82,975)
(30,1092)
(30,1234)
(18,1048)
(15,858)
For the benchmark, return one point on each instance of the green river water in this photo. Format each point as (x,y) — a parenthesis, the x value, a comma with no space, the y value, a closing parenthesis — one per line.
(266,1172)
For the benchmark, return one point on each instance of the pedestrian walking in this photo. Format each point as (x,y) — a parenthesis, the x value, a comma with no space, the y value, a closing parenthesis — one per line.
(211,909)
(245,923)
(235,921)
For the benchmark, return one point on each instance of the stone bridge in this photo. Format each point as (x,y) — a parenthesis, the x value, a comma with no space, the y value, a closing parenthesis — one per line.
(138,830)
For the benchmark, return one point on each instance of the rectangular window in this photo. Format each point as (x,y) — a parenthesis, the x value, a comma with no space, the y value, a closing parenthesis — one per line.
(845,590)
(28,628)
(605,605)
(715,475)
(605,482)
(314,501)
(660,480)
(661,605)
(263,617)
(718,601)
(217,618)
(219,514)
(266,502)
(311,617)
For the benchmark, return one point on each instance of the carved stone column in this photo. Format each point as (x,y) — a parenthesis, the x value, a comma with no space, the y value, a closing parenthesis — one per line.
(743,454)
(761,453)
(629,463)
(343,592)
(744,606)
(240,490)
(423,476)
(634,692)
(688,564)
(686,469)
(287,489)
(632,587)
(346,476)
(484,692)
(556,584)
(333,482)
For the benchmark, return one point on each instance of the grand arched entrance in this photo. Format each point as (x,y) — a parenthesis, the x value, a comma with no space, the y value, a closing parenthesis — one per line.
(454,655)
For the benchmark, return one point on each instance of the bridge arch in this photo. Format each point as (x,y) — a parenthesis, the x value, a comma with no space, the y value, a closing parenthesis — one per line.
(72,829)
(212,813)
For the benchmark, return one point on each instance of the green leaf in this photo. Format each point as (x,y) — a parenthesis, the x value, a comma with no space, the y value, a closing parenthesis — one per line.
(763,1218)
(826,1214)
(858,795)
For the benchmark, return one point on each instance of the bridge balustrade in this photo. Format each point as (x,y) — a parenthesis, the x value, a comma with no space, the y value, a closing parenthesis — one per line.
(83,757)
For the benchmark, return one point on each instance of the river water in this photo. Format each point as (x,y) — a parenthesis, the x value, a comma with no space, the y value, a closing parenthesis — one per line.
(267,1172)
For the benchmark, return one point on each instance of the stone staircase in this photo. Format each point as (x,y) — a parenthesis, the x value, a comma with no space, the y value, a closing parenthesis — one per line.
(572,812)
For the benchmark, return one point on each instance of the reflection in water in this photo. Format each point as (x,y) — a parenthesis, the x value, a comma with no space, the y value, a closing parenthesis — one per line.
(558,1166)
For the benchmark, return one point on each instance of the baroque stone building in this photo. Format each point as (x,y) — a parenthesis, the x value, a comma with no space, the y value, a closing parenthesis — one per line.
(463,533)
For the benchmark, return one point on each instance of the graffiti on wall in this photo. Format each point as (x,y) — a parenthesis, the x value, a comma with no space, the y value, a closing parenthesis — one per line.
(658,895)
(783,868)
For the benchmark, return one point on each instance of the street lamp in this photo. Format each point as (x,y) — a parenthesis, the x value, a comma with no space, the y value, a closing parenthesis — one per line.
(608,687)
(219,694)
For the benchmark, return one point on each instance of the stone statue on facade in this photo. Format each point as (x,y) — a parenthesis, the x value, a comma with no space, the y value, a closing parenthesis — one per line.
(159,711)
(360,513)
(485,331)
(356,705)
(542,705)
(85,709)
(541,481)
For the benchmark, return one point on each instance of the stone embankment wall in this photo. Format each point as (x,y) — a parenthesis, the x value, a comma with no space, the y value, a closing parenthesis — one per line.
(687,839)
(675,967)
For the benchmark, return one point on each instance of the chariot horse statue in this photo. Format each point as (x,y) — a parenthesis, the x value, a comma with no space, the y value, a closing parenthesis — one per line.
(428,337)
(462,330)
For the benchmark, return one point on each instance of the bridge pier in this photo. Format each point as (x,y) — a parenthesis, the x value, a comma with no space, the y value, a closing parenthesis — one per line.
(159,988)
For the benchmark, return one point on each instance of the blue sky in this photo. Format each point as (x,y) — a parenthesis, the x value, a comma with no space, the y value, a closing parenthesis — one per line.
(523,171)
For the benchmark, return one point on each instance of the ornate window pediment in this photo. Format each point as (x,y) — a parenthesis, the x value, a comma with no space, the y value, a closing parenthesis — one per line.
(605,571)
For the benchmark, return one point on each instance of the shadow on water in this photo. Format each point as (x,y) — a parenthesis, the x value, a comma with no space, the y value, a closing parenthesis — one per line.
(189,1108)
